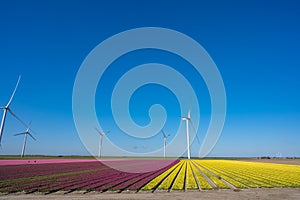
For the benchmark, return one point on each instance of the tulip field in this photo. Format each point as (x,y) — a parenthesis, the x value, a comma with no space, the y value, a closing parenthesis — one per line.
(90,175)
(225,174)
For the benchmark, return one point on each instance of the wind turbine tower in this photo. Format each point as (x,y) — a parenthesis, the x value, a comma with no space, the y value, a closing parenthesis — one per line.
(165,142)
(101,133)
(25,139)
(187,120)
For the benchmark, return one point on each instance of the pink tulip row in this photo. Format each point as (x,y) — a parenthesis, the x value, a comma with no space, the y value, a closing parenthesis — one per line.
(43,161)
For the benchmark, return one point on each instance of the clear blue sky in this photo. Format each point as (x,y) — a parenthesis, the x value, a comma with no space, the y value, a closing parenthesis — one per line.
(255,45)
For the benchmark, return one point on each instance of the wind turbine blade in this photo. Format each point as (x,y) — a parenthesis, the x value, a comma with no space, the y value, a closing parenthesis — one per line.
(31,136)
(192,124)
(163,133)
(184,118)
(13,94)
(198,139)
(97,130)
(194,129)
(30,129)
(33,131)
(189,114)
(18,118)
(19,134)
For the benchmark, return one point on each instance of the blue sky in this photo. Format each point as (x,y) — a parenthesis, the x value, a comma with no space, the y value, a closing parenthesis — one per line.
(255,45)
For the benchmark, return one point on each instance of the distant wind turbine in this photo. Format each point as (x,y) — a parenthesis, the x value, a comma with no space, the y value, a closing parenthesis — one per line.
(165,142)
(25,139)
(7,108)
(187,120)
(101,133)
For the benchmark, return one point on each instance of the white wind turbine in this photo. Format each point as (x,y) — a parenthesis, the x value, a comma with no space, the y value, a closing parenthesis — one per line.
(7,108)
(101,133)
(187,120)
(25,138)
(165,142)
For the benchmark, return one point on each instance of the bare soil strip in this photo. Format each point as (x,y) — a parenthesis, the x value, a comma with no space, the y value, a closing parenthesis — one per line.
(212,184)
(220,178)
(195,177)
(261,193)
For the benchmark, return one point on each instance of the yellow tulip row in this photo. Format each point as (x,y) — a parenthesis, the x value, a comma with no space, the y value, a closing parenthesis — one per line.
(191,182)
(179,183)
(224,174)
(213,178)
(154,183)
(184,175)
(204,185)
(254,174)
(167,183)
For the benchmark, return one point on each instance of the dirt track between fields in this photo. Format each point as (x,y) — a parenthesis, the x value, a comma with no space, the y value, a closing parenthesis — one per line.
(272,194)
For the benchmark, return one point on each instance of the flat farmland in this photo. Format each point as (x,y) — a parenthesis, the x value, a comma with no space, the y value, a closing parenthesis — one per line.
(89,176)
(73,176)
(225,174)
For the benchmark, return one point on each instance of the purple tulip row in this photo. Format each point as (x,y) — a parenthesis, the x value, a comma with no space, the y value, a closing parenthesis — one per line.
(139,181)
(106,181)
(121,180)
(23,171)
(33,183)
(36,174)
(89,176)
